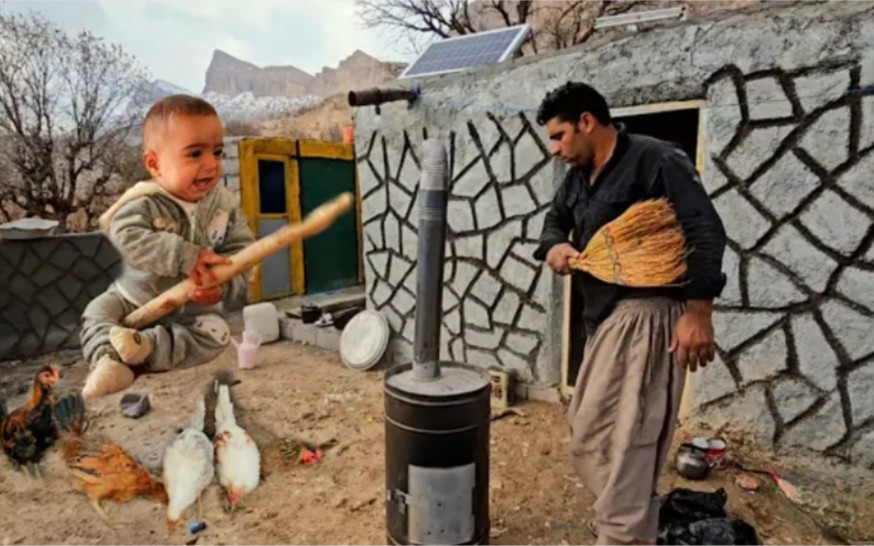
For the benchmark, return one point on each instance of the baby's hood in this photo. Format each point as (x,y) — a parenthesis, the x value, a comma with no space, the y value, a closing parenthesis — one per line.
(146,187)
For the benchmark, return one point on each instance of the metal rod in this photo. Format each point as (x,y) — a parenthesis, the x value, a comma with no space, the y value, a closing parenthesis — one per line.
(432,236)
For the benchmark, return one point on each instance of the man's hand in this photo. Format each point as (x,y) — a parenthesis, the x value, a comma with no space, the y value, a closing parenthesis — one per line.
(558,256)
(202,275)
(693,336)
(208,296)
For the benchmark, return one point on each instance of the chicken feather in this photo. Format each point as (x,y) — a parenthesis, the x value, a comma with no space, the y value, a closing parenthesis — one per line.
(238,461)
(188,467)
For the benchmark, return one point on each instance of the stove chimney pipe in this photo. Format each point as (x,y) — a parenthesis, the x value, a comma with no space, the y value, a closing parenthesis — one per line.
(432,243)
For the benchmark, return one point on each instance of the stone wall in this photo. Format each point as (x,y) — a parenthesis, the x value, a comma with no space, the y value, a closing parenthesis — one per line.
(789,152)
(46,285)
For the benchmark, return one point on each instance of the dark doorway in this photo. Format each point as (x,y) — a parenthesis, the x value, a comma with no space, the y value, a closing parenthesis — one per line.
(679,126)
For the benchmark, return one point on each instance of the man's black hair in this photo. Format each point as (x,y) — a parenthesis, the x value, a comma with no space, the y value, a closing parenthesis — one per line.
(569,101)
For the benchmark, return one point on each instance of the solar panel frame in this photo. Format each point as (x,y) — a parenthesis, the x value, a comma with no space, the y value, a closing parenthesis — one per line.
(518,33)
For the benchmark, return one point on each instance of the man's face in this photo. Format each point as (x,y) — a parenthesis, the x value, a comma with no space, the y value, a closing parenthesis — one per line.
(187,157)
(572,142)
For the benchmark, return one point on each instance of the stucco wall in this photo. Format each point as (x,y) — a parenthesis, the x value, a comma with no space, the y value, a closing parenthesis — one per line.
(788,162)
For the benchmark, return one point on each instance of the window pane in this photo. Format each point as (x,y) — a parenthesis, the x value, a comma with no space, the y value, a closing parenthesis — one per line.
(271,186)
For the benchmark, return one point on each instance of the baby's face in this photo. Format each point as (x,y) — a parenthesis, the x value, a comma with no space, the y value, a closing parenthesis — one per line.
(187,158)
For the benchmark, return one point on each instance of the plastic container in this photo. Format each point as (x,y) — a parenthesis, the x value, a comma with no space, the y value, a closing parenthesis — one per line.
(247,350)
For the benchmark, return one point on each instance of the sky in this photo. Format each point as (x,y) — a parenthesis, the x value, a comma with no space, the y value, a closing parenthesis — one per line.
(175,39)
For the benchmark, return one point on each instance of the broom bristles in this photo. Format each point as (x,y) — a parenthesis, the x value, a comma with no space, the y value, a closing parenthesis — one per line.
(644,247)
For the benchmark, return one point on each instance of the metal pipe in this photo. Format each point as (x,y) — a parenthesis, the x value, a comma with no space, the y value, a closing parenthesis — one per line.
(432,236)
(378,96)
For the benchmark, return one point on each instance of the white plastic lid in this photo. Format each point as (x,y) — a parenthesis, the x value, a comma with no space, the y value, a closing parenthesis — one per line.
(364,340)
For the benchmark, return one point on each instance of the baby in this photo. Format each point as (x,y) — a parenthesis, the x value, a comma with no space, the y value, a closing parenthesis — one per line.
(176,226)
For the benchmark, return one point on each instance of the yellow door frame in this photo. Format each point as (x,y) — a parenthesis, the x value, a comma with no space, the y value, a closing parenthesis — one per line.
(643,109)
(284,151)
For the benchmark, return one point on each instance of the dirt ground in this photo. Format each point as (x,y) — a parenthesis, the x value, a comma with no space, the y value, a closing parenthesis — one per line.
(300,391)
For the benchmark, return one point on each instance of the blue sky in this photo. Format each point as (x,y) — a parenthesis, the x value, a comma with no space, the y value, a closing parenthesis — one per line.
(175,39)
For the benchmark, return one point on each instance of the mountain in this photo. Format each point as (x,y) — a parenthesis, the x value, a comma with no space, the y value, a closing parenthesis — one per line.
(228,75)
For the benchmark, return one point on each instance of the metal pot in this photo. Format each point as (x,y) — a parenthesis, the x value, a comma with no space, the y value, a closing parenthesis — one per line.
(310,313)
(691,462)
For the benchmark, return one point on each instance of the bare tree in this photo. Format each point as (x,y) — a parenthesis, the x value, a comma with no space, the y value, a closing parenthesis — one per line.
(64,115)
(556,24)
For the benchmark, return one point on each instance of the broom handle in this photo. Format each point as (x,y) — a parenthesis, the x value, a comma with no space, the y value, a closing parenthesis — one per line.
(315,222)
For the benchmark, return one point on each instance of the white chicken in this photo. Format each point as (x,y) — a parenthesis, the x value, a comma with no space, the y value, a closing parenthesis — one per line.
(188,468)
(238,462)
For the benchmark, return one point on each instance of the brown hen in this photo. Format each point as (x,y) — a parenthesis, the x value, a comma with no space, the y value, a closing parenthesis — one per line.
(102,469)
(29,431)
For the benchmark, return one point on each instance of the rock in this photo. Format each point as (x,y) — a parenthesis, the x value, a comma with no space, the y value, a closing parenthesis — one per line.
(712,382)
(743,223)
(470,246)
(484,340)
(476,315)
(853,329)
(862,452)
(484,359)
(449,299)
(816,90)
(756,148)
(792,397)
(459,216)
(832,127)
(731,328)
(472,180)
(452,321)
(399,200)
(782,187)
(518,274)
(488,213)
(866,138)
(379,261)
(500,240)
(135,405)
(722,122)
(768,287)
(501,162)
(506,309)
(817,361)
(534,226)
(731,267)
(522,343)
(819,431)
(520,366)
(391,230)
(398,270)
(713,179)
(373,205)
(747,412)
(836,223)
(859,387)
(812,265)
(404,302)
(409,242)
(517,201)
(464,275)
(767,99)
(532,319)
(855,284)
(765,359)
(408,176)
(487,287)
(528,155)
(857,180)
(381,294)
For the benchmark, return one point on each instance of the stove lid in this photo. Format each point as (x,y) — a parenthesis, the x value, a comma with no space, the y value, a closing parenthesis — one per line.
(364,340)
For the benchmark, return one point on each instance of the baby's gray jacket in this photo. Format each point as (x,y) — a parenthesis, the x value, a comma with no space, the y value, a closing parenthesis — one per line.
(159,248)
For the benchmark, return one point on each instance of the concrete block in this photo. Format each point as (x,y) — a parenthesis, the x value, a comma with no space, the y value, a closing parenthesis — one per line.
(262,318)
(328,338)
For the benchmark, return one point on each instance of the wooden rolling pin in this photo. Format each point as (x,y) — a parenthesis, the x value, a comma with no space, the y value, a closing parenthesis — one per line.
(315,222)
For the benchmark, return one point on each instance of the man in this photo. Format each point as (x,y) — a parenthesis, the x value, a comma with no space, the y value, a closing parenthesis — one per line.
(639,341)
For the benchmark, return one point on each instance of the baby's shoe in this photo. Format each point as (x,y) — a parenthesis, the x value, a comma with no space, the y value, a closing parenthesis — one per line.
(132,347)
(108,376)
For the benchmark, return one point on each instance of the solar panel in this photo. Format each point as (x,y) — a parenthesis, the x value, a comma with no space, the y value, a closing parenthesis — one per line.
(467,51)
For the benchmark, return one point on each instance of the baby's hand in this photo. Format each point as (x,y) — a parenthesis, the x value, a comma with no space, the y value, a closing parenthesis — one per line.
(202,275)
(208,296)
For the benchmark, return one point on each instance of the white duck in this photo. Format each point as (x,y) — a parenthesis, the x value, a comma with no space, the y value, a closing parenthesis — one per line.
(188,468)
(238,462)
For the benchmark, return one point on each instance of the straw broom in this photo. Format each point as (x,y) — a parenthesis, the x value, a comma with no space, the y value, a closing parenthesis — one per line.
(644,247)
(315,222)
